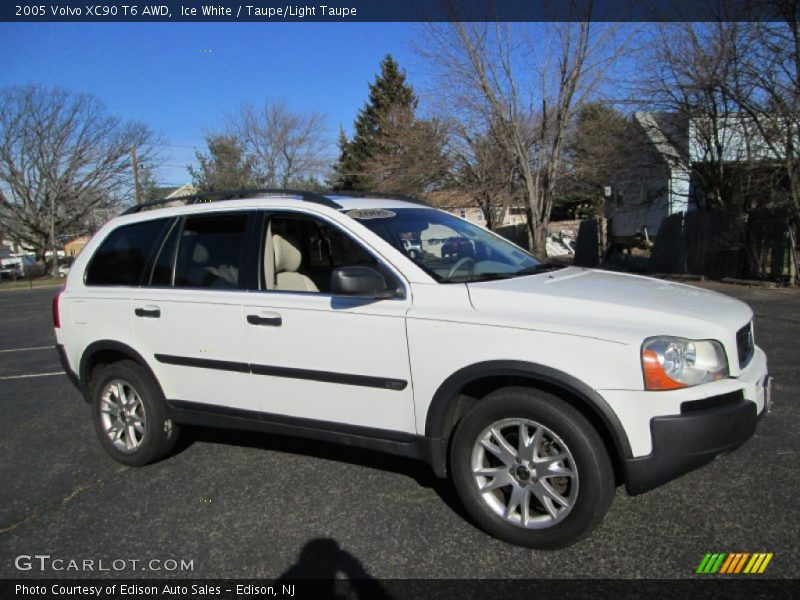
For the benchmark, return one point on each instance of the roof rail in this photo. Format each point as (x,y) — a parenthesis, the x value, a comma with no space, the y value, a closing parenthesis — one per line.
(379,195)
(234,194)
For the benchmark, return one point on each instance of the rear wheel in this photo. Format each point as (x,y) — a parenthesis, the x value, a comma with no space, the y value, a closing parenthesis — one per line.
(129,414)
(530,469)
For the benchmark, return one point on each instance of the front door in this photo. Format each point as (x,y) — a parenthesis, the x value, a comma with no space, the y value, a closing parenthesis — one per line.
(322,357)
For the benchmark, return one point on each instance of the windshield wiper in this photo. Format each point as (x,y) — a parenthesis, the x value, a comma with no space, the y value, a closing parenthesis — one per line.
(490,277)
(540,268)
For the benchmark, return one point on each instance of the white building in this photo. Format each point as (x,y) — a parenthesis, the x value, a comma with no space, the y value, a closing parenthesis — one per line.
(656,183)
(668,151)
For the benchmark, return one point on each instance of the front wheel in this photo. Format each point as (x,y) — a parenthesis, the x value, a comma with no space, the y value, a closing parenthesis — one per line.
(531,470)
(130,415)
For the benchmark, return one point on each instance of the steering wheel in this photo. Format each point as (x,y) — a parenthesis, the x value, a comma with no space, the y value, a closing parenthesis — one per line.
(460,263)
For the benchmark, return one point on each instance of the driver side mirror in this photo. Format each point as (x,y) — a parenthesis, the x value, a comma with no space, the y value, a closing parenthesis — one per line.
(360,281)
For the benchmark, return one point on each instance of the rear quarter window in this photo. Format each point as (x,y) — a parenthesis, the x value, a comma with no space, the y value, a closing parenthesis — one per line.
(122,257)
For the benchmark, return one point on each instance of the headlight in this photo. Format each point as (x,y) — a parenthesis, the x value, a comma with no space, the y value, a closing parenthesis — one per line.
(670,363)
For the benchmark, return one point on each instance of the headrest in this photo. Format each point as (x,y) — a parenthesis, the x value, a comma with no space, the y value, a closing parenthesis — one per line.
(287,256)
(200,254)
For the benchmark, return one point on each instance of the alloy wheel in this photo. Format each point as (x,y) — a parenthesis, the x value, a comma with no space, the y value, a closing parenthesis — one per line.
(122,415)
(525,473)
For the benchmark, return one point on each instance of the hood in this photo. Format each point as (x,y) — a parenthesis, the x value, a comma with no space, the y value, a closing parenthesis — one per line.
(614,306)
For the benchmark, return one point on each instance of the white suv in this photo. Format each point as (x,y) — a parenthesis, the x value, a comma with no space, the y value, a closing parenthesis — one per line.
(537,390)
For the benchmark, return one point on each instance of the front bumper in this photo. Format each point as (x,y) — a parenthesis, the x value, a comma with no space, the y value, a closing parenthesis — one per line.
(684,442)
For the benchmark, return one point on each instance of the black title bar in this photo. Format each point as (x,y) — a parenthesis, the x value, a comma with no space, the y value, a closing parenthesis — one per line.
(272,11)
(367,588)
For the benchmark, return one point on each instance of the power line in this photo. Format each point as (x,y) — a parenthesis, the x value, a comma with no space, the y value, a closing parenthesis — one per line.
(170,146)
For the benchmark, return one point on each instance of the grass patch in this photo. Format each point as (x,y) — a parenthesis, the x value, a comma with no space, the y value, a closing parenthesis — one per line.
(24,284)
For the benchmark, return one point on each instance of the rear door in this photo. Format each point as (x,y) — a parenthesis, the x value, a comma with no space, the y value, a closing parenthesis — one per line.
(100,309)
(188,319)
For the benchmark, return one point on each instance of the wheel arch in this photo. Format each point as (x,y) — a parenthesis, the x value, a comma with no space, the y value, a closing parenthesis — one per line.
(464,388)
(107,352)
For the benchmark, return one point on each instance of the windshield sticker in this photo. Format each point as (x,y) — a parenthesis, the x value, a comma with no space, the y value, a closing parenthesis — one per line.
(371,213)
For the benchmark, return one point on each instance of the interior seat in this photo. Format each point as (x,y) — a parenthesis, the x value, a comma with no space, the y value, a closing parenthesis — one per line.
(287,261)
(202,274)
(196,272)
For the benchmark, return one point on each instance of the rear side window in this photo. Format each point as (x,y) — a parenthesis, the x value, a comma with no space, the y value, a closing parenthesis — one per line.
(123,256)
(211,252)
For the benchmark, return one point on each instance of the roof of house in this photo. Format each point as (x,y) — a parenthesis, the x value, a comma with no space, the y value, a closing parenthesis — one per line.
(669,133)
(185,190)
(81,239)
(450,199)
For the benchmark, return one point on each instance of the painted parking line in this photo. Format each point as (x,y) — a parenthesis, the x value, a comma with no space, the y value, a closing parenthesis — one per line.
(32,375)
(26,349)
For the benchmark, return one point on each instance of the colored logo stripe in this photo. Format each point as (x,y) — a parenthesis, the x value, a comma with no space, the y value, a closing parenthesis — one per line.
(711,563)
(758,563)
(735,562)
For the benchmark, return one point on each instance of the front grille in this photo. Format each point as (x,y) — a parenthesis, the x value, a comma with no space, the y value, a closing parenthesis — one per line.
(744,344)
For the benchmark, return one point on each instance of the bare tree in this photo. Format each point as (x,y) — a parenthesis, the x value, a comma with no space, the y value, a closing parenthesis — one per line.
(288,147)
(484,170)
(61,157)
(737,84)
(693,72)
(767,90)
(526,90)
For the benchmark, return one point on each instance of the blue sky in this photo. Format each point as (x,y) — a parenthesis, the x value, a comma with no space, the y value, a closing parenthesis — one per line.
(181,79)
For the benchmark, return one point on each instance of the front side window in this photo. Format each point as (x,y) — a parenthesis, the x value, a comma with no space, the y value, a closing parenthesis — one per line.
(124,254)
(301,252)
(449,249)
(210,252)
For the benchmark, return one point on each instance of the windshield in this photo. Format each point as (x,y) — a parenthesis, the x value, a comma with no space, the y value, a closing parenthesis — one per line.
(449,249)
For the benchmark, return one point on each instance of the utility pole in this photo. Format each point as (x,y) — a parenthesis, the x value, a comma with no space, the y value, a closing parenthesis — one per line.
(137,188)
(53,245)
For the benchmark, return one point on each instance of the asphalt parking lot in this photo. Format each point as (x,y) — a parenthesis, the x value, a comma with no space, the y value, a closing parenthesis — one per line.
(246,505)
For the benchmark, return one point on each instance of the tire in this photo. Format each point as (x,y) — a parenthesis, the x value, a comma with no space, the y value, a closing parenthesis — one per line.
(138,431)
(549,492)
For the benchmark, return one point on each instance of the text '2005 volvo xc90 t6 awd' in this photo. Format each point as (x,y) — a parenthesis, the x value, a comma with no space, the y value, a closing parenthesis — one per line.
(536,390)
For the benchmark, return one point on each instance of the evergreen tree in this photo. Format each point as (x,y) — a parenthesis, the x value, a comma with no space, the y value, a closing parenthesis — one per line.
(225,167)
(342,170)
(390,97)
(596,145)
(148,181)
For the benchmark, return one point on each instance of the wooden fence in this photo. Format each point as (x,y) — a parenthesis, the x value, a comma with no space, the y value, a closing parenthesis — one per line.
(716,244)
(720,244)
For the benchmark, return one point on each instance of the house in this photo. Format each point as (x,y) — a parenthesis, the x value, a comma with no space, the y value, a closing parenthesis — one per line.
(11,248)
(75,245)
(669,154)
(185,190)
(656,182)
(462,205)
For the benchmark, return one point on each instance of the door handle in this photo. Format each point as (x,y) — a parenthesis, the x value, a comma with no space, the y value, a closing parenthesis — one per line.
(270,321)
(152,312)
